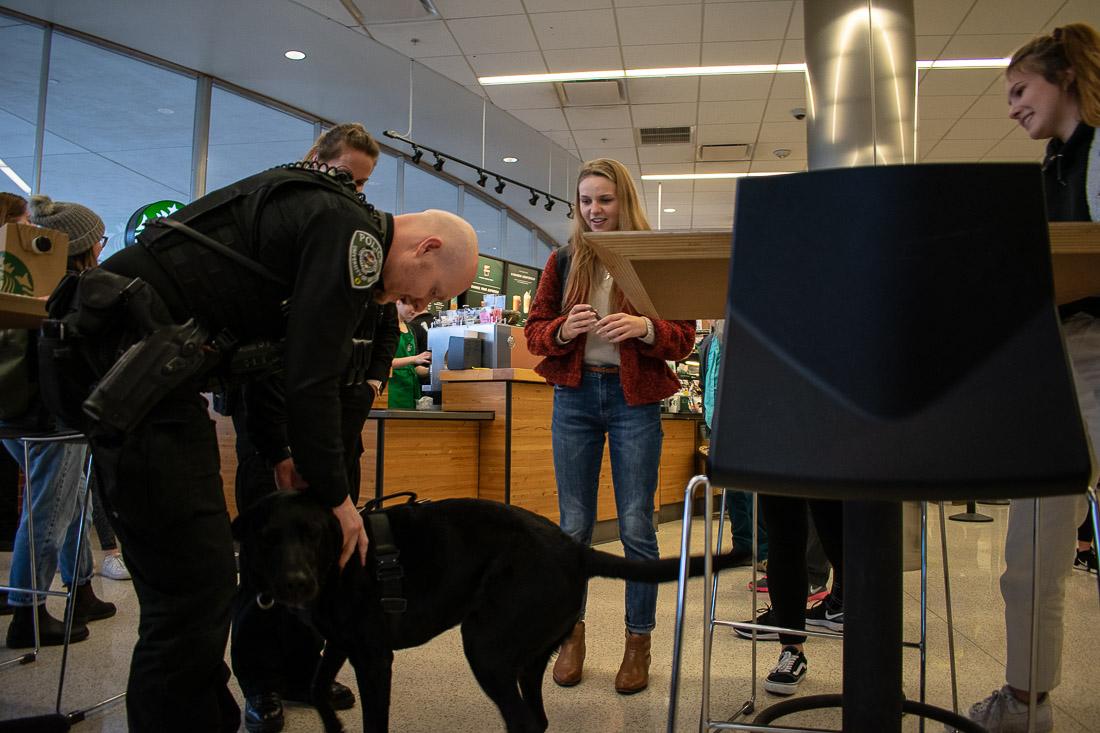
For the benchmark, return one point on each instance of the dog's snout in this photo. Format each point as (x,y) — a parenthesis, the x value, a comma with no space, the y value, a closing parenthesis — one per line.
(299,585)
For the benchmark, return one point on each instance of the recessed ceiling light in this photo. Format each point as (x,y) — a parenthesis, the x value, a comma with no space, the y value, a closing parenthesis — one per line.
(509,159)
(295,55)
(669,211)
(166,110)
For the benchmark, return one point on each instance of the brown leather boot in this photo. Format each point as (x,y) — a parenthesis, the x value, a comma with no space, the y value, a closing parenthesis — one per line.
(570,665)
(633,673)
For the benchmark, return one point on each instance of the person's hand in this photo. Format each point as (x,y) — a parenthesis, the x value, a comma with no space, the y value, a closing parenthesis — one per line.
(582,318)
(619,327)
(287,477)
(423,358)
(355,536)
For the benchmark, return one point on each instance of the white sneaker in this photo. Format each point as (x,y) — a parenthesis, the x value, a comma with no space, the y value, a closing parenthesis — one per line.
(114,567)
(1001,712)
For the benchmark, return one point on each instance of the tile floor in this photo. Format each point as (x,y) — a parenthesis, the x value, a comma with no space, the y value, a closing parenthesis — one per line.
(434,689)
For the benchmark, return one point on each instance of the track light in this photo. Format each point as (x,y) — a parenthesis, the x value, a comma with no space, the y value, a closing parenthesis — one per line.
(534,197)
(417,154)
(438,164)
(549,205)
(482,177)
(569,214)
(499,188)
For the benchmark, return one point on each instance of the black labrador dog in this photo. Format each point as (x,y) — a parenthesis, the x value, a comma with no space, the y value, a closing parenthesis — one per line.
(511,578)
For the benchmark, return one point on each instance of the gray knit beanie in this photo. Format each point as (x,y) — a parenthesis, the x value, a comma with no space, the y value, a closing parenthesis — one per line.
(82,224)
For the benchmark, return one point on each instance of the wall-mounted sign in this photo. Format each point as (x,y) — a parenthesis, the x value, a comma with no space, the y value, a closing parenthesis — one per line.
(142,216)
(489,278)
(520,285)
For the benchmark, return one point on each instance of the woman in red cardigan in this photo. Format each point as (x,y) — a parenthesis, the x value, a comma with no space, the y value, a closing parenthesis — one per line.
(609,371)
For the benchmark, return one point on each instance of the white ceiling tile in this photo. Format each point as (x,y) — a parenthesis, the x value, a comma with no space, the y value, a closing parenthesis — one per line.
(477,89)
(745,21)
(779,109)
(788,165)
(1030,151)
(433,38)
(574,29)
(672,24)
(493,64)
(668,187)
(719,184)
(930,131)
(796,28)
(1008,16)
(972,129)
(618,137)
(943,107)
(543,120)
(656,169)
(726,53)
(765,150)
(523,96)
(990,107)
(749,110)
(452,67)
(961,149)
(552,6)
(475,8)
(734,86)
(790,86)
(642,3)
(666,154)
(563,138)
(782,132)
(939,17)
(626,156)
(662,115)
(794,51)
(661,55)
(993,46)
(582,59)
(594,118)
(929,47)
(332,9)
(494,35)
(643,91)
(727,134)
(1076,11)
(713,198)
(957,81)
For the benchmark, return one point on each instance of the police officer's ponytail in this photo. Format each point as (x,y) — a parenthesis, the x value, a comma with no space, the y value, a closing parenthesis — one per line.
(348,135)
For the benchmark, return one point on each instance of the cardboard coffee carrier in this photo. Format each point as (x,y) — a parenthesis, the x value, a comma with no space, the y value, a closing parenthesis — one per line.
(32,261)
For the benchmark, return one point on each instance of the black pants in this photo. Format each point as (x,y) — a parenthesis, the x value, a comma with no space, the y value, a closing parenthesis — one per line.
(163,489)
(274,650)
(786,519)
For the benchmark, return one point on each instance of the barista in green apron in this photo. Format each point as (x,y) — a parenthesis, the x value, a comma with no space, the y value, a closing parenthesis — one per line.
(404,384)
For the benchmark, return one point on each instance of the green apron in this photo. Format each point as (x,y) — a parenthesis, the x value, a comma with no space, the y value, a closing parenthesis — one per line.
(404,386)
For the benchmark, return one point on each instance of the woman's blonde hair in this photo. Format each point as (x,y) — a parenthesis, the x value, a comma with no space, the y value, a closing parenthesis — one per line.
(12,207)
(331,143)
(632,218)
(1073,47)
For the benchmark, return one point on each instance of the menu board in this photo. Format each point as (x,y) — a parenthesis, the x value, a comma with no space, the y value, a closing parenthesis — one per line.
(520,284)
(489,278)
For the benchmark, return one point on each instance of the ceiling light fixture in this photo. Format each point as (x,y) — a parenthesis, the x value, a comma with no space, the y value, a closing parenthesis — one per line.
(438,164)
(569,214)
(669,211)
(509,159)
(549,205)
(417,154)
(482,177)
(295,55)
(7,171)
(499,188)
(534,197)
(672,71)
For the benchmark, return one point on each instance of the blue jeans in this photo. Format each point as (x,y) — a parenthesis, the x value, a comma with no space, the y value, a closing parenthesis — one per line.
(582,416)
(54,478)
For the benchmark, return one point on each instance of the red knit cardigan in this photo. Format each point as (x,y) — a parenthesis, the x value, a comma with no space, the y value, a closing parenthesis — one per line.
(644,375)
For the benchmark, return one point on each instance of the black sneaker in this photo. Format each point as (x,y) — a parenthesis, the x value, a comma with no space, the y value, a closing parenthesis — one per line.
(829,614)
(1085,560)
(788,672)
(765,617)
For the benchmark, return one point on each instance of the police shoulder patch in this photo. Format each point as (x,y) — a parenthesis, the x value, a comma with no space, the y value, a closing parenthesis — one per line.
(364,260)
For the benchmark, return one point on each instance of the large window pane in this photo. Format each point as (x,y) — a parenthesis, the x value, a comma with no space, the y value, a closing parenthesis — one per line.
(426,191)
(381,188)
(118,132)
(21,59)
(519,244)
(247,137)
(485,219)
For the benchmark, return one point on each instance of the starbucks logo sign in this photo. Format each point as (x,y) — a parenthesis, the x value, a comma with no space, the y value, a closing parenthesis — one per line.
(15,277)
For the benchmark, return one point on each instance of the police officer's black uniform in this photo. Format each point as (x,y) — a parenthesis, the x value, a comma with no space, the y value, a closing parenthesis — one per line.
(162,480)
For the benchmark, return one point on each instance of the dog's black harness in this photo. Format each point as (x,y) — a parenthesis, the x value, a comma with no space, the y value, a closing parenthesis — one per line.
(387,558)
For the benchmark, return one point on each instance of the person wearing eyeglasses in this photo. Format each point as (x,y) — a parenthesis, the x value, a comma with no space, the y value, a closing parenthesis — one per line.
(54,469)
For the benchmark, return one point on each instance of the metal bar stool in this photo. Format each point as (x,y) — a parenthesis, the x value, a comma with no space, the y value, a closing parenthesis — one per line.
(83,499)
